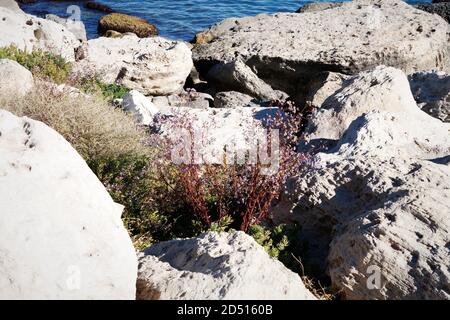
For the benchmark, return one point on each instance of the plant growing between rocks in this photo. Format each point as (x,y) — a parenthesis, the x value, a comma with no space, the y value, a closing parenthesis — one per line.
(53,68)
(90,83)
(241,193)
(44,65)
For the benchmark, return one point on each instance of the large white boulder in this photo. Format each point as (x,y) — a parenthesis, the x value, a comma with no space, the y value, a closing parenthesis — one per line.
(375,206)
(15,80)
(61,234)
(28,32)
(375,210)
(153,66)
(383,88)
(390,177)
(286,50)
(215,266)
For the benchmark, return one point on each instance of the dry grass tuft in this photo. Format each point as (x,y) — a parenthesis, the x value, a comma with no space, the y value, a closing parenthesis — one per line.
(315,287)
(94,128)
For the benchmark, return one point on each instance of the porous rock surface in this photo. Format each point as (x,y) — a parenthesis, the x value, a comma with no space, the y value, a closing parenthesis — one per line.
(153,66)
(61,234)
(382,88)
(375,207)
(287,50)
(28,32)
(215,266)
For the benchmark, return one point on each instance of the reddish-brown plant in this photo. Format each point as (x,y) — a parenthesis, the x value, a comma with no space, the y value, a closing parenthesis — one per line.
(243,192)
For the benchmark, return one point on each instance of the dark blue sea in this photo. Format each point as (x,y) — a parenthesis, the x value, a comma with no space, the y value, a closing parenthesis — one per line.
(176,19)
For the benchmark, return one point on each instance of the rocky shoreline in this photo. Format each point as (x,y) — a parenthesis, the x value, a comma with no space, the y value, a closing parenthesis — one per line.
(371,83)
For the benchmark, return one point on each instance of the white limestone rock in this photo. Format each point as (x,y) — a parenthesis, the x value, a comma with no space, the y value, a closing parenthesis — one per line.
(383,88)
(287,50)
(215,266)
(15,80)
(153,66)
(76,27)
(141,107)
(28,32)
(378,200)
(61,234)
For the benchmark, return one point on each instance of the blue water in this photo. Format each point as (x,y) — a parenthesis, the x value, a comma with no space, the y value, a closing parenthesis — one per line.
(176,19)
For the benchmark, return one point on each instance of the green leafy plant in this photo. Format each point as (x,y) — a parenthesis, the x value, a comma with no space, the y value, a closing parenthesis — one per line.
(112,91)
(91,84)
(42,64)
(275,241)
(222,225)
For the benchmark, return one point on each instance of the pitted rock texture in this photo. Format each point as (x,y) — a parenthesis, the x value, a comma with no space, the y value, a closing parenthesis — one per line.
(286,50)
(215,266)
(61,234)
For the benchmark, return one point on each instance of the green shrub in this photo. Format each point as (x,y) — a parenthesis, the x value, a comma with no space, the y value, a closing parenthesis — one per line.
(131,182)
(222,225)
(275,241)
(91,84)
(42,64)
(112,91)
